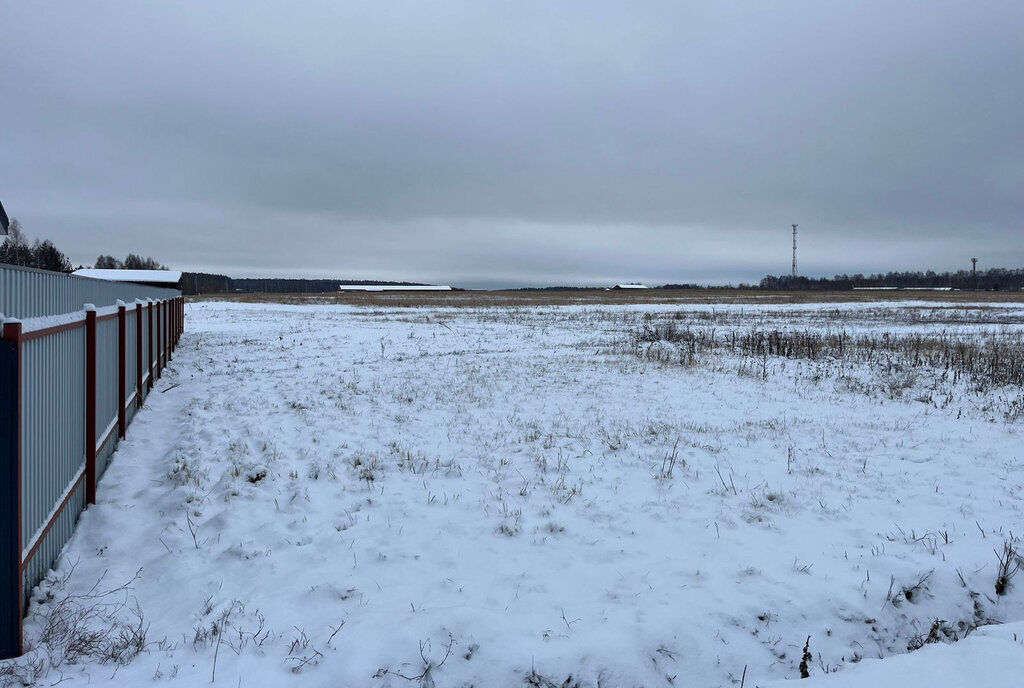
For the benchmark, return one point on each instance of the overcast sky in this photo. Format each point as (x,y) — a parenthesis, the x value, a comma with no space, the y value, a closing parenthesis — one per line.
(518,143)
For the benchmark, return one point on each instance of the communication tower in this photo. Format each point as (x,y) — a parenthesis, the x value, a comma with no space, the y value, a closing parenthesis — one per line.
(794,250)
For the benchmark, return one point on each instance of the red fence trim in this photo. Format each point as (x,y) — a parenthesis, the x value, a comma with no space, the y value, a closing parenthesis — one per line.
(169,307)
(138,355)
(149,341)
(122,374)
(13,639)
(90,407)
(57,329)
(159,342)
(163,334)
(51,523)
(47,331)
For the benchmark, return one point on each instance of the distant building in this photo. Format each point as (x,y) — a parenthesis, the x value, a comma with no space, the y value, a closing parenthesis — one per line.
(392,287)
(152,278)
(904,289)
(630,286)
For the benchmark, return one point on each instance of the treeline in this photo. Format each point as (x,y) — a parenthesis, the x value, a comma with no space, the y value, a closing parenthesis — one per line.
(131,262)
(205,283)
(42,255)
(676,287)
(302,286)
(558,288)
(994,279)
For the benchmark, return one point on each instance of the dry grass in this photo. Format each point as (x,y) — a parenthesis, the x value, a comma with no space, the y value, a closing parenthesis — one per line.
(988,359)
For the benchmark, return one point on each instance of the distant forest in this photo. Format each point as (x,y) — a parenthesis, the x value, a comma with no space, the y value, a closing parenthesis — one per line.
(994,279)
(205,283)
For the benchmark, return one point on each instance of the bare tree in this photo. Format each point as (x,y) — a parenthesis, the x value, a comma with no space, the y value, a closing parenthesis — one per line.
(15,249)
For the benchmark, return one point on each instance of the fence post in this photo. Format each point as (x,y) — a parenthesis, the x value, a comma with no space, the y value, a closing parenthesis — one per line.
(138,354)
(122,364)
(159,341)
(163,331)
(170,329)
(149,342)
(90,403)
(10,490)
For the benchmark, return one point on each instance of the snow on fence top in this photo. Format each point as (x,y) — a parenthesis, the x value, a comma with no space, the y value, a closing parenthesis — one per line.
(168,277)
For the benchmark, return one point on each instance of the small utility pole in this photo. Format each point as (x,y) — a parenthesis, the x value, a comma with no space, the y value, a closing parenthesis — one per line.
(974,272)
(794,250)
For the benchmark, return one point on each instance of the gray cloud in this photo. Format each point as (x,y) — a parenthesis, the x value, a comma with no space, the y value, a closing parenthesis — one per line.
(496,143)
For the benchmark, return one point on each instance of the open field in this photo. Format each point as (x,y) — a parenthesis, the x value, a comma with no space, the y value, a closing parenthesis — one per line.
(559,489)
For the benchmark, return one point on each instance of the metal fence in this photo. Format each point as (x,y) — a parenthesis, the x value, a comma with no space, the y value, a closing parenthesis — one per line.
(30,293)
(72,376)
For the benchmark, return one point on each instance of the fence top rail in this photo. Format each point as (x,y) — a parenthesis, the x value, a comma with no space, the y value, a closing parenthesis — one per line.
(44,325)
(51,324)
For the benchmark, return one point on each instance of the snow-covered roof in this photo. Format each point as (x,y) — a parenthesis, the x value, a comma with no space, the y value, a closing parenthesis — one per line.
(150,276)
(903,289)
(631,286)
(391,287)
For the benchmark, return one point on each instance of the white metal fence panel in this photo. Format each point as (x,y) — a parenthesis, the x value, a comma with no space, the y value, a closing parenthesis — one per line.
(29,293)
(106,389)
(131,359)
(53,429)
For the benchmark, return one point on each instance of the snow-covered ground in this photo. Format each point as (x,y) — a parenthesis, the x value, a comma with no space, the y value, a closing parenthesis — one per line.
(359,496)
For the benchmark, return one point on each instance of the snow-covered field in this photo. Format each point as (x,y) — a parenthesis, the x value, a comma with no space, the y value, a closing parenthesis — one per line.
(325,495)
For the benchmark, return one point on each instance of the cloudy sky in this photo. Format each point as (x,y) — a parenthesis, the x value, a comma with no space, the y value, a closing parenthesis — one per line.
(518,143)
